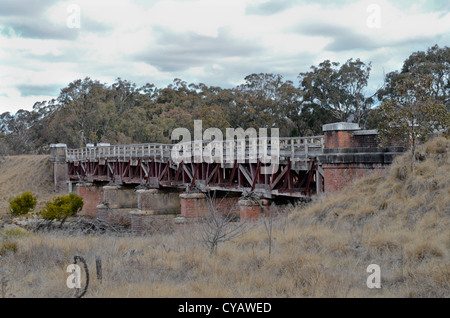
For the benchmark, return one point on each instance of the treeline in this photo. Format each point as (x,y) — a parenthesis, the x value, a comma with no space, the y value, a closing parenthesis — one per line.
(87,111)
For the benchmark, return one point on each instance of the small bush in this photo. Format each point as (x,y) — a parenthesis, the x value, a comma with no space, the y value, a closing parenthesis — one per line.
(62,207)
(438,145)
(22,204)
(13,233)
(8,246)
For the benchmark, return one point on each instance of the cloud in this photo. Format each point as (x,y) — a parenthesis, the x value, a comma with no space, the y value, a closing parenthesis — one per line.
(272,7)
(341,38)
(269,7)
(347,30)
(24,8)
(175,52)
(44,20)
(27,19)
(202,41)
(30,28)
(27,90)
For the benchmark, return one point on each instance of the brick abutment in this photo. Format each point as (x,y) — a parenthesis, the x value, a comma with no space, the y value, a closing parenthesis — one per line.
(351,153)
(148,211)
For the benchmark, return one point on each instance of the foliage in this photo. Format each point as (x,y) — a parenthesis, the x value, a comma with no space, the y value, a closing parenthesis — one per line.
(8,246)
(13,233)
(339,90)
(22,204)
(62,207)
(412,115)
(87,111)
(416,100)
(434,63)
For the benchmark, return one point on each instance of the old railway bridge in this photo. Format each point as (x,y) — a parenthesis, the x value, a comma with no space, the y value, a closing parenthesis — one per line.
(141,186)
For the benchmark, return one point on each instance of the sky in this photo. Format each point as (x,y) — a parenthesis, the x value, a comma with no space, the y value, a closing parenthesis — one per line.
(46,44)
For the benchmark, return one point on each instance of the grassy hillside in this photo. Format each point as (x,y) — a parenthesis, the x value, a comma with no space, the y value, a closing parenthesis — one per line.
(25,173)
(399,221)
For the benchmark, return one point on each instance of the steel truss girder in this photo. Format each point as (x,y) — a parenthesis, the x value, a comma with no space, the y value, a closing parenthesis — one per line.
(243,176)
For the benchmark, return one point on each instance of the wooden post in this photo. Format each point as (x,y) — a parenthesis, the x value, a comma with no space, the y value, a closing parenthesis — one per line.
(292,150)
(98,267)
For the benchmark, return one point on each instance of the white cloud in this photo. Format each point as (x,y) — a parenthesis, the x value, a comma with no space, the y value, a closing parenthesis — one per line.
(231,41)
(203,17)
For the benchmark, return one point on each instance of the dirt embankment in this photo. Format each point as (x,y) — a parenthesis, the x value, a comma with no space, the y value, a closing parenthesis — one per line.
(25,173)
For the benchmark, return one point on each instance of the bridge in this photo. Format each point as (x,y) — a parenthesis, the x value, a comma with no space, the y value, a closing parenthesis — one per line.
(297,173)
(148,173)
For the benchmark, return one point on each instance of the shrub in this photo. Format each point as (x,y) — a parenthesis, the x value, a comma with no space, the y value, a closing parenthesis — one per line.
(13,233)
(62,207)
(22,204)
(8,246)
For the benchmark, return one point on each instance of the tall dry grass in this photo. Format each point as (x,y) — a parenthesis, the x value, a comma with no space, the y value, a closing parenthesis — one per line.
(25,173)
(399,221)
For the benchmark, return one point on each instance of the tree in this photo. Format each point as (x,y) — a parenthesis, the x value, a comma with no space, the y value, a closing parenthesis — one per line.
(80,115)
(266,100)
(435,63)
(87,111)
(62,207)
(22,204)
(412,113)
(218,227)
(339,90)
(268,225)
(290,117)
(18,130)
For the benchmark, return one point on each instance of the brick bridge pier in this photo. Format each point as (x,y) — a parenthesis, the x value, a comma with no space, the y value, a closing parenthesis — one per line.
(142,187)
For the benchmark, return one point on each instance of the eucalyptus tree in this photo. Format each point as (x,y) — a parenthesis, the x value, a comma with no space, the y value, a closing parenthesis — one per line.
(412,113)
(337,89)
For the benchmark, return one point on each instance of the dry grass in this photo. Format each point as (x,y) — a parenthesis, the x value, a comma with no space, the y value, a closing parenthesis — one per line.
(399,221)
(25,173)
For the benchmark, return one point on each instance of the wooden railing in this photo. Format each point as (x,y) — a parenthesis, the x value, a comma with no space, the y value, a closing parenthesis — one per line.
(293,149)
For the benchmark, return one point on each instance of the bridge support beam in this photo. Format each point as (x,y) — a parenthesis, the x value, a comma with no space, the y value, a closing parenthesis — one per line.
(118,201)
(58,156)
(251,210)
(92,196)
(193,205)
(156,211)
(120,197)
(228,206)
(158,202)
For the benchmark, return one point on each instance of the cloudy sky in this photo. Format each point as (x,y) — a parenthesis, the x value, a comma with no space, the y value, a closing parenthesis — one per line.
(46,44)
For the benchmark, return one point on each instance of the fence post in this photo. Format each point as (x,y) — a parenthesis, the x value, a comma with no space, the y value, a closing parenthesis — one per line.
(98,267)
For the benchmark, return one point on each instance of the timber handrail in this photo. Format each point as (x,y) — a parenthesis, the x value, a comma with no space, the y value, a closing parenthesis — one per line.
(294,148)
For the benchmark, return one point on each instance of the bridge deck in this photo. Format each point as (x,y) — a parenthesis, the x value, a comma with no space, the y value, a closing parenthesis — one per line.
(238,166)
